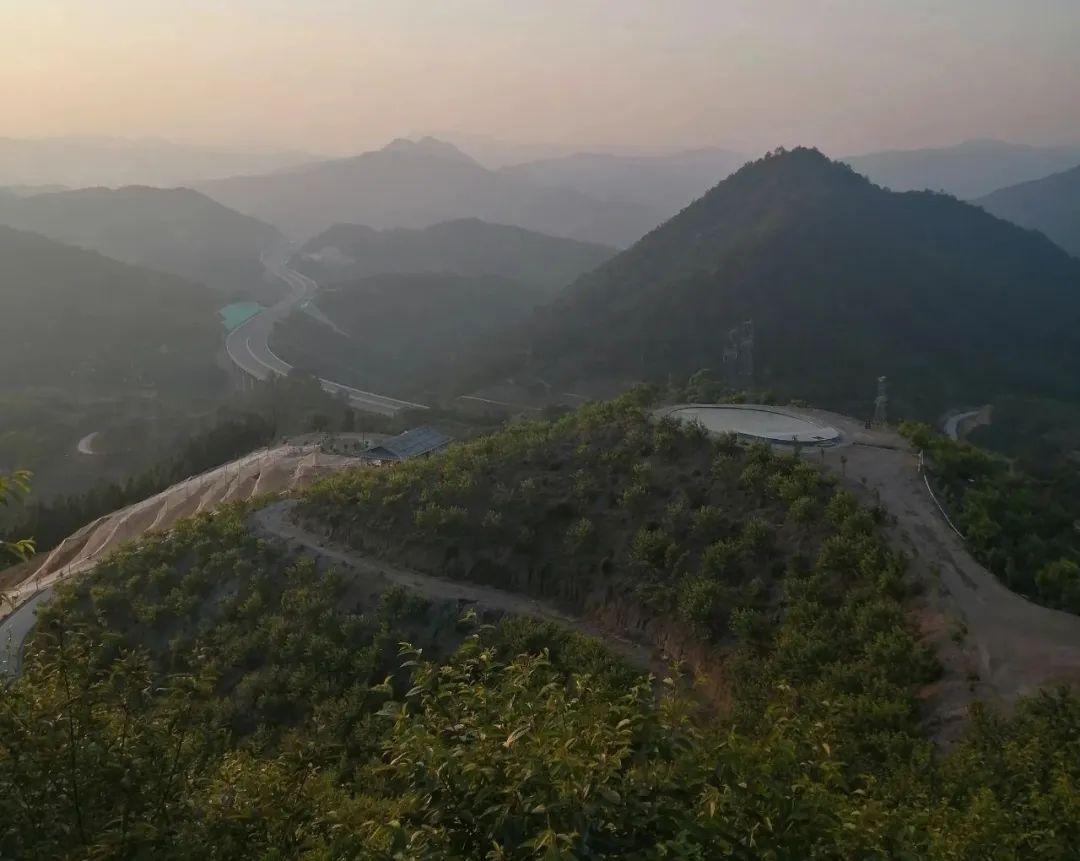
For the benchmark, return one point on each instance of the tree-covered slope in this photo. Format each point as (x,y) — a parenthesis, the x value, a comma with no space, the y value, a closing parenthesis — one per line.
(173,230)
(598,509)
(1051,205)
(398,333)
(469,246)
(844,282)
(82,322)
(208,693)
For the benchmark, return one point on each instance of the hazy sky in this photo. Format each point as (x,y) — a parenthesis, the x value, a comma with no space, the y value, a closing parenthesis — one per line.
(339,76)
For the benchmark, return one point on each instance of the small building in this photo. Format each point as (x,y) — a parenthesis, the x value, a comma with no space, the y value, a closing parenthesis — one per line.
(417,442)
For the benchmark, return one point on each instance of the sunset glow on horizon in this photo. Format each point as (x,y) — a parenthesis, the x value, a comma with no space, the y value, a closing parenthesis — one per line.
(339,77)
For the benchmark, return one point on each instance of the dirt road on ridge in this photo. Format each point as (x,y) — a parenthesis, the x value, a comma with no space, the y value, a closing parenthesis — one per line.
(274,520)
(996,645)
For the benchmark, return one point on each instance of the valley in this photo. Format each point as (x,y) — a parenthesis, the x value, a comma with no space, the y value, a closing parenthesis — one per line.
(248,346)
(540,432)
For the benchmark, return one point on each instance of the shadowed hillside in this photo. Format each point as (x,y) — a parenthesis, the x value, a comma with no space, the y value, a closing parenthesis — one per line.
(88,344)
(396,333)
(844,281)
(75,318)
(1051,205)
(173,230)
(464,247)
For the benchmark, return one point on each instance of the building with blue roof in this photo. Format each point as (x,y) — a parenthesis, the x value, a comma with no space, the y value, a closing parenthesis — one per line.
(417,442)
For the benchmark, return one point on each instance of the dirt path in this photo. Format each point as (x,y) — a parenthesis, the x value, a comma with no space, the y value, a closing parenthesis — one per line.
(274,520)
(995,644)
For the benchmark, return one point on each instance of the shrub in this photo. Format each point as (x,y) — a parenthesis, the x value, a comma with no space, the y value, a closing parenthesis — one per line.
(579,532)
(804,509)
(840,506)
(698,599)
(721,559)
(706,521)
(756,535)
(649,547)
(433,517)
(633,498)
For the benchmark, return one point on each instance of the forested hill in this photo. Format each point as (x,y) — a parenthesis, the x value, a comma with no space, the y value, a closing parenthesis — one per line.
(466,246)
(77,320)
(211,692)
(1051,204)
(398,333)
(844,281)
(174,230)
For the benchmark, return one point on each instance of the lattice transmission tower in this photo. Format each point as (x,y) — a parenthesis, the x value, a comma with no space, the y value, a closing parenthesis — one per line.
(739,354)
(881,402)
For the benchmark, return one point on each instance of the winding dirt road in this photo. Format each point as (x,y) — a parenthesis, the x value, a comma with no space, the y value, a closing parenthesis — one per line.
(995,645)
(274,520)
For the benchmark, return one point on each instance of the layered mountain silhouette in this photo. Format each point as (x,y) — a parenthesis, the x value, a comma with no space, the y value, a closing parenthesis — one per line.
(1051,204)
(347,252)
(88,161)
(84,323)
(844,281)
(420,183)
(178,231)
(967,170)
(665,183)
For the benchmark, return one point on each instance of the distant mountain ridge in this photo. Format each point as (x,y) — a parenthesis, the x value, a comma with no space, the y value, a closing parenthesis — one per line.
(418,184)
(429,147)
(1051,204)
(968,170)
(348,252)
(844,281)
(666,183)
(78,162)
(173,230)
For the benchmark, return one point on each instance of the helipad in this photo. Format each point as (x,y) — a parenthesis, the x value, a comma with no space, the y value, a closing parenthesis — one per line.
(754,422)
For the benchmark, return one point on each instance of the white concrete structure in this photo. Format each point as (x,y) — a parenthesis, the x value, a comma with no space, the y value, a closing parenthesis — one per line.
(755,422)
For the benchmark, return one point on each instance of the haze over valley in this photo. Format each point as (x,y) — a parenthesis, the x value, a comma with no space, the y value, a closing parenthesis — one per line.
(540,430)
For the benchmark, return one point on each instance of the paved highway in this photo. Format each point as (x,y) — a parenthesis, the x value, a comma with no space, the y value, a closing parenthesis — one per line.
(13,631)
(248,345)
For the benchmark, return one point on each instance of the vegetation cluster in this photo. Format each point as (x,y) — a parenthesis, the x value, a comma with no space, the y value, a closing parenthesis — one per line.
(844,281)
(1025,528)
(206,694)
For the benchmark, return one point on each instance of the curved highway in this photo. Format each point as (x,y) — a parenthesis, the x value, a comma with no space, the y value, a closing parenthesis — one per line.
(14,630)
(248,345)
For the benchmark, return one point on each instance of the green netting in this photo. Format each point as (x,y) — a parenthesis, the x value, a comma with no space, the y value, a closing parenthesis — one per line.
(235,314)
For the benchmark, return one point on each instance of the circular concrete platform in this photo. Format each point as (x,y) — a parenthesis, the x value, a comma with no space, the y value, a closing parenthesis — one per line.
(775,425)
